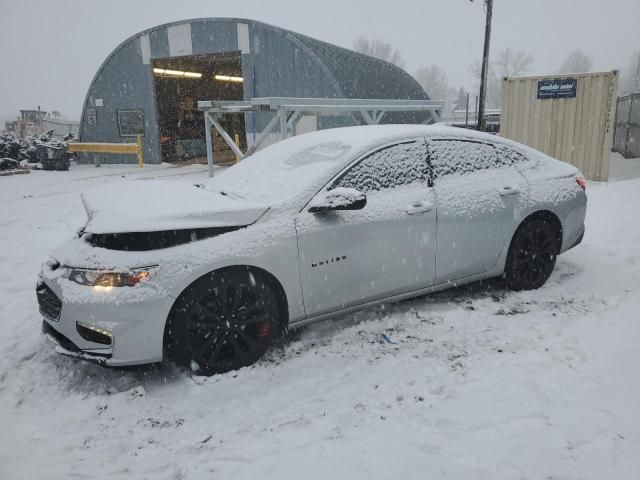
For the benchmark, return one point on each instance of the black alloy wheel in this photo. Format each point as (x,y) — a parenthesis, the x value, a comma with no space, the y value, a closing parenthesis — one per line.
(224,321)
(532,255)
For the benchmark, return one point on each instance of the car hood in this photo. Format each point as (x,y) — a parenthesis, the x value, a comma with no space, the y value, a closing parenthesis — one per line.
(156,205)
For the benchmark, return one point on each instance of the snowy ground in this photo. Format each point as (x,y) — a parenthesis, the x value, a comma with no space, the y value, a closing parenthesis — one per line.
(478,383)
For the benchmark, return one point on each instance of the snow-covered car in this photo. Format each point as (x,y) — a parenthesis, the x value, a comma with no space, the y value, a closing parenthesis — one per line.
(311,227)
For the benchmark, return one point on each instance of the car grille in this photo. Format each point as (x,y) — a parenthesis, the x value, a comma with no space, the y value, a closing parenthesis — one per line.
(50,304)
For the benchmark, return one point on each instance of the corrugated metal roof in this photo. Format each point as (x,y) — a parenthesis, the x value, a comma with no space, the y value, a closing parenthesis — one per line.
(275,62)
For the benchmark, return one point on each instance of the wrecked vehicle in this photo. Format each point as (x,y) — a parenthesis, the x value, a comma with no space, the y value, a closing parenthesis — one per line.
(306,229)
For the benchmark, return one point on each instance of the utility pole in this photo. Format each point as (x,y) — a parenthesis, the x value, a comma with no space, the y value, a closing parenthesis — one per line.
(466,116)
(485,64)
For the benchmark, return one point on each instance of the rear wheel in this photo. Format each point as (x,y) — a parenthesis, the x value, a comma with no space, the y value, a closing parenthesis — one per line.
(224,321)
(532,255)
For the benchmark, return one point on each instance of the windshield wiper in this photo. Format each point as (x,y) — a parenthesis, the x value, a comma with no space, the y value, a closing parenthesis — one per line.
(232,195)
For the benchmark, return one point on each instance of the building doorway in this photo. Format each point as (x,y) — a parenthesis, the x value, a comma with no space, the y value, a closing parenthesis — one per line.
(180,82)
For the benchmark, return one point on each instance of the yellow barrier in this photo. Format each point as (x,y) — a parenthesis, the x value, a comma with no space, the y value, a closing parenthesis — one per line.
(117,148)
(237,142)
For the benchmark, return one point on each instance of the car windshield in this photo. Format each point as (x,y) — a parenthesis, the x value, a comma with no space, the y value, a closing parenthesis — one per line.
(281,172)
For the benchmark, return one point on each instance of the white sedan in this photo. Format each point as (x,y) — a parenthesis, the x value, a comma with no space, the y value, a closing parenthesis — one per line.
(308,228)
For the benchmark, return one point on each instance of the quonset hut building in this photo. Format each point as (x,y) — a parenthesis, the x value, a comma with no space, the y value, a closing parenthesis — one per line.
(151,83)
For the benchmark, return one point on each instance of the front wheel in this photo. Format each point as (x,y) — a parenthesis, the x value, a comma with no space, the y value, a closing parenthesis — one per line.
(224,321)
(532,255)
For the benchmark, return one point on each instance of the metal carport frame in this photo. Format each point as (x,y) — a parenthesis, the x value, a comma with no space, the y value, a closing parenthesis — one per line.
(288,112)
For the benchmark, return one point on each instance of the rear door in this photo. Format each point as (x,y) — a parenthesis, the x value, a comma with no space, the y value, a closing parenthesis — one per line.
(352,257)
(479,193)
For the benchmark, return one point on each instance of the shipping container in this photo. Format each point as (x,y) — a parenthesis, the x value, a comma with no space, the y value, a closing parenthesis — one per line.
(569,117)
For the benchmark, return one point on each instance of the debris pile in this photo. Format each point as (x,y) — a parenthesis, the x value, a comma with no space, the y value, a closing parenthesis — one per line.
(42,151)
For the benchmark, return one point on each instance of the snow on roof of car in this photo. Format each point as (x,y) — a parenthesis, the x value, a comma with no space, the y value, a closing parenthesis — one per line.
(305,162)
(364,137)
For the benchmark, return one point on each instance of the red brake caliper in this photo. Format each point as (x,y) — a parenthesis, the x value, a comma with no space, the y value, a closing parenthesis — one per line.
(263,329)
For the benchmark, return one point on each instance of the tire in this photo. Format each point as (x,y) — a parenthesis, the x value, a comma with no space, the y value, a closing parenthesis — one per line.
(62,165)
(223,321)
(48,165)
(532,255)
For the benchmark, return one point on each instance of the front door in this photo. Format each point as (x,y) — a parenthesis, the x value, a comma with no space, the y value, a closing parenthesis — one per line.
(350,257)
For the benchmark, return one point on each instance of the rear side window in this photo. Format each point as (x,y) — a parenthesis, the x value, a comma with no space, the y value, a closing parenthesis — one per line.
(508,156)
(460,157)
(401,164)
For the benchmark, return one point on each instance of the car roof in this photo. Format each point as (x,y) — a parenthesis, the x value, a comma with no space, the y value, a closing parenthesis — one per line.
(363,138)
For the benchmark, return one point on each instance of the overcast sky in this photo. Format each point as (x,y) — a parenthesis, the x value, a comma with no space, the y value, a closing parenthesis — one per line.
(50,49)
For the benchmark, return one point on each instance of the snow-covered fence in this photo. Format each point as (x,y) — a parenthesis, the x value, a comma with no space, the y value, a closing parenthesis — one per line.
(626,139)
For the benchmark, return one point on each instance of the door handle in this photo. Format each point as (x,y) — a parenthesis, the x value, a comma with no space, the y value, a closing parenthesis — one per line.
(509,190)
(419,207)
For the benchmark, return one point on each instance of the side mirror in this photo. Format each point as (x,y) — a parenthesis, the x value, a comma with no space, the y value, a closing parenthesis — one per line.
(340,198)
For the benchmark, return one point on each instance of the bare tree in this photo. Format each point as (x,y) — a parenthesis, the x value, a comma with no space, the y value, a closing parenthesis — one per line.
(435,82)
(576,62)
(509,63)
(379,49)
(630,76)
(493,83)
(460,102)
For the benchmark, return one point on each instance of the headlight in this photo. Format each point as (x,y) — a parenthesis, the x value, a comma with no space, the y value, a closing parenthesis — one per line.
(100,278)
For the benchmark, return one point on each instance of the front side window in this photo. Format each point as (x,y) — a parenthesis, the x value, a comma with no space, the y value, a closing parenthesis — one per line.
(388,167)
(508,156)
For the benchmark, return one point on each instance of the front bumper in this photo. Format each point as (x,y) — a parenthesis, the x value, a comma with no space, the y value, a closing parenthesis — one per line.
(66,347)
(130,333)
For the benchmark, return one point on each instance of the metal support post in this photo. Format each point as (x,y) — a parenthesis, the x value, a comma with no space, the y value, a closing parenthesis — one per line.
(227,138)
(288,111)
(367,117)
(207,132)
(292,121)
(283,123)
(267,130)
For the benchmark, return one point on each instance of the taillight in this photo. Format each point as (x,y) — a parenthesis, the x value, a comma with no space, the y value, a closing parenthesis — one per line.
(582,183)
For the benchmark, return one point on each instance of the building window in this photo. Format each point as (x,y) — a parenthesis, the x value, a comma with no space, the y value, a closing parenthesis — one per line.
(130,122)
